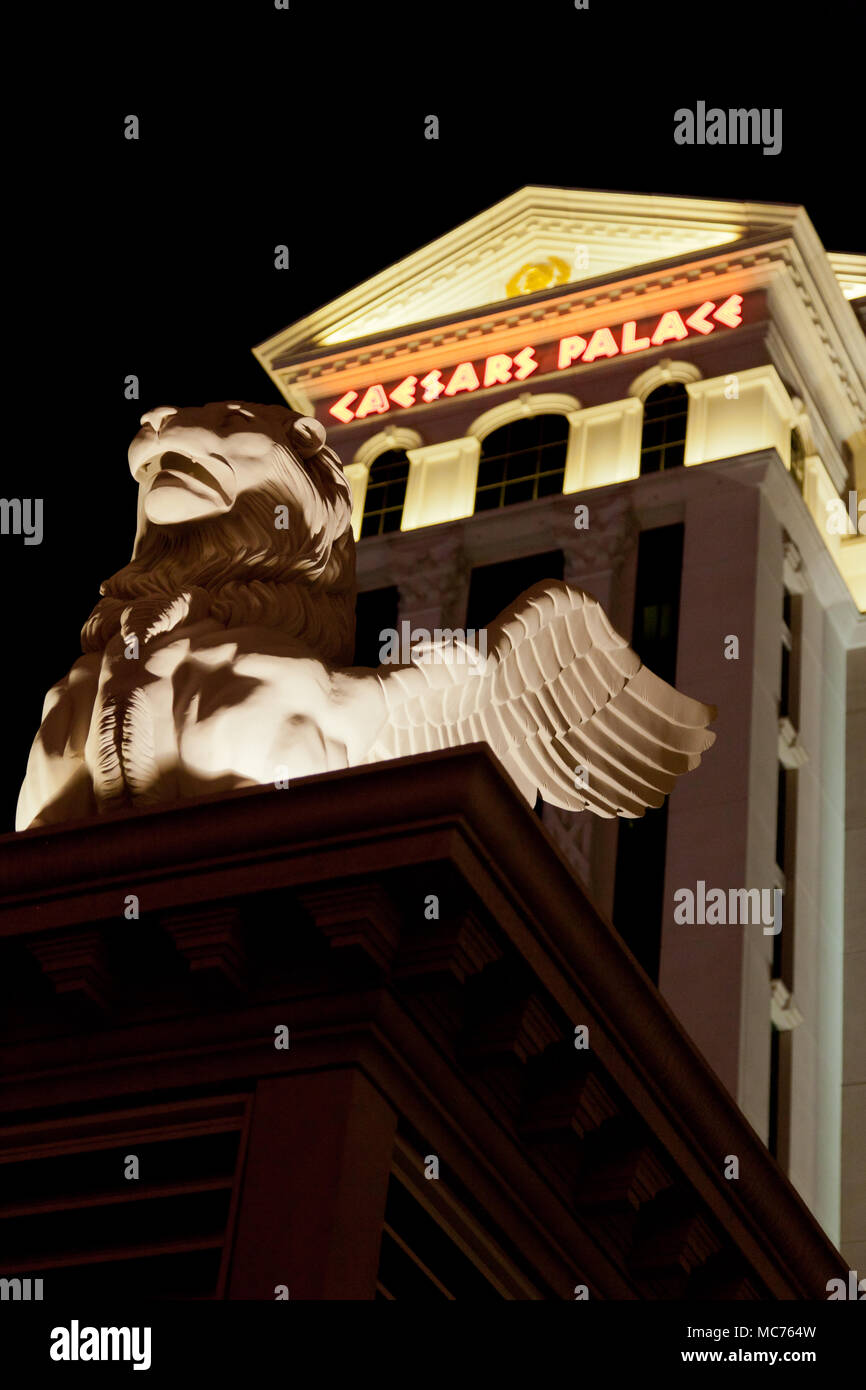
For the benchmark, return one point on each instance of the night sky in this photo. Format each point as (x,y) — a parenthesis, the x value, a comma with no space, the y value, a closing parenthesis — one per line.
(306,127)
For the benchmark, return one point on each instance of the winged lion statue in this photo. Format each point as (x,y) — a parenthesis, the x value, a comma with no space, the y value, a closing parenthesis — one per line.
(221,655)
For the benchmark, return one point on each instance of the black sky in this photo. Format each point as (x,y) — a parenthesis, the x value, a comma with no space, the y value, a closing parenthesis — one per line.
(305,127)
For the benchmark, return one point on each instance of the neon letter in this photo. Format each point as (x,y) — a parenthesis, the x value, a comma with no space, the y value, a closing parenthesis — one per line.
(375,402)
(569,350)
(525,363)
(629,342)
(670,325)
(464,378)
(497,369)
(404,394)
(432,384)
(601,344)
(340,409)
(699,318)
(731,312)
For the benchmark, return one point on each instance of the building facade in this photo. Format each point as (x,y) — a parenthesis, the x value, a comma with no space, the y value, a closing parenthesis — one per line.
(661,401)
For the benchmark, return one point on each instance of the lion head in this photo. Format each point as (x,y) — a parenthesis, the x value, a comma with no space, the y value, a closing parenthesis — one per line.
(246,508)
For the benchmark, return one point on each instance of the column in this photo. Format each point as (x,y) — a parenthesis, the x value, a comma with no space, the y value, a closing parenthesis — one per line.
(315,1180)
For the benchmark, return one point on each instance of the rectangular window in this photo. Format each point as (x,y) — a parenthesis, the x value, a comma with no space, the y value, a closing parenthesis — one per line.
(418,1260)
(493,587)
(773,1136)
(781,815)
(786,822)
(789,701)
(787,786)
(785,695)
(778,1137)
(642,844)
(439,1244)
(68,1214)
(376,610)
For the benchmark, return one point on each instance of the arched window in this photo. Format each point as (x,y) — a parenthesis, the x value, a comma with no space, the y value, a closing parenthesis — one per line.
(522,461)
(386,493)
(663,441)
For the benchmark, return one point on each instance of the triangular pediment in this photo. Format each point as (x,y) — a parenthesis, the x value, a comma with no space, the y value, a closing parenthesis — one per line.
(535,239)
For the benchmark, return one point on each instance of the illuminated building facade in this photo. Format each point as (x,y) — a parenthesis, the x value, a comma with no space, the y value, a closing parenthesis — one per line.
(662,401)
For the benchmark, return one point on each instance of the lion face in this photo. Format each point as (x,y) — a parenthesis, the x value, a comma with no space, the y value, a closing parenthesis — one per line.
(248,508)
(194,464)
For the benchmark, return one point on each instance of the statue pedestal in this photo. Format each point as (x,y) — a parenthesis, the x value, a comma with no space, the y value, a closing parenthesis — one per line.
(336,1028)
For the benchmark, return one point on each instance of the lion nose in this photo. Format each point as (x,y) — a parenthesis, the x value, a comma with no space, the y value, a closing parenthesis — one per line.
(154,418)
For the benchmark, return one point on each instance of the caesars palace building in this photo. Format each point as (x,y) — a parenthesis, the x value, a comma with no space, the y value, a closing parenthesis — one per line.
(661,401)
(630,1078)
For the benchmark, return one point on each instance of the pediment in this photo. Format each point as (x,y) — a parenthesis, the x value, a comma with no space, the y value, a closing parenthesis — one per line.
(534,239)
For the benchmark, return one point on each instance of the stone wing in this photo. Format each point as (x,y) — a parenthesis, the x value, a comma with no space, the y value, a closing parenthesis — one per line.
(562,700)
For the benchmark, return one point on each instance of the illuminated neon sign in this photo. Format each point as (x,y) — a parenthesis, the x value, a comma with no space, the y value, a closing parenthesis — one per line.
(501,368)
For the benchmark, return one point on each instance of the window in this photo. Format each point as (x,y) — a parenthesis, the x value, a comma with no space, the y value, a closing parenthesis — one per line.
(439,1244)
(785,697)
(419,1260)
(663,441)
(522,461)
(775,1068)
(642,844)
(493,587)
(778,1137)
(375,612)
(69,1215)
(789,694)
(386,493)
(798,459)
(787,789)
(781,815)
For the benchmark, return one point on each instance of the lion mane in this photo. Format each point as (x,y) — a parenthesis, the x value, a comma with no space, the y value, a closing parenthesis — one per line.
(242,569)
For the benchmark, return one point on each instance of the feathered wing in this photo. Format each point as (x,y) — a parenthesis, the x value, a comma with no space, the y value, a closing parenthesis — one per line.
(562,700)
